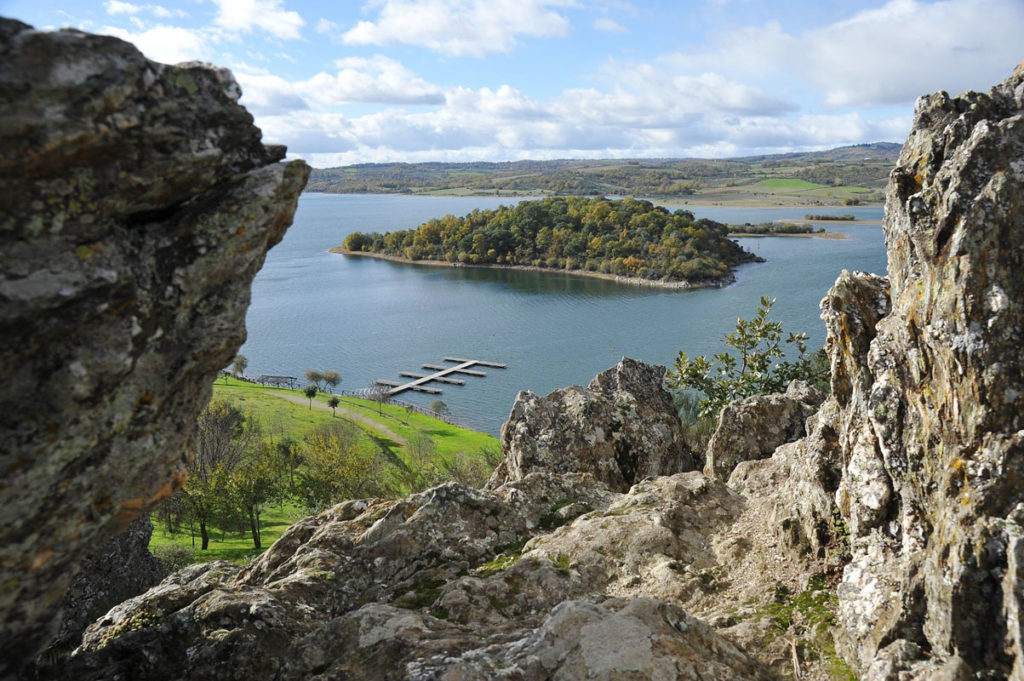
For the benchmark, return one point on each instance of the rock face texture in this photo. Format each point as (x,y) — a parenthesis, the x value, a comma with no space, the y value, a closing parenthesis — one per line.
(752,428)
(440,586)
(552,575)
(136,204)
(621,428)
(122,567)
(929,395)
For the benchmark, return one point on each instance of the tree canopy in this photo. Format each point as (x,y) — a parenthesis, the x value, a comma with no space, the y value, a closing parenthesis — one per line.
(627,237)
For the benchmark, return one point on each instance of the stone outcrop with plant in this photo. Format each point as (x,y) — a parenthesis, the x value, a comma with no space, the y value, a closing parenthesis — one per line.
(136,204)
(621,428)
(930,391)
(555,574)
(122,567)
(753,427)
(136,210)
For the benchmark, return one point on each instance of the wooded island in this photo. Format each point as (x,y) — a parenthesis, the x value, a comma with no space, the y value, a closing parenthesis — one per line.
(626,238)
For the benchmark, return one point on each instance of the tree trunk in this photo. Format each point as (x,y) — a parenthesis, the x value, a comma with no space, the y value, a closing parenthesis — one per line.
(204,534)
(254,525)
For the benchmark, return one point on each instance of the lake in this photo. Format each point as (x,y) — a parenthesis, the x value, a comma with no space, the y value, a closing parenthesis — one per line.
(370,319)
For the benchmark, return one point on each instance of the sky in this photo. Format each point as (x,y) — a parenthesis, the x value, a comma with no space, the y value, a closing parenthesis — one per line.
(352,81)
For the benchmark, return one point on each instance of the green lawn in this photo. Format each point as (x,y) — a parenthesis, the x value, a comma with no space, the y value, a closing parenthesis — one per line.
(231,546)
(281,419)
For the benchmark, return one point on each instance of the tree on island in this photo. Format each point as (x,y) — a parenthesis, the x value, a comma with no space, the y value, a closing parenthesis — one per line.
(310,392)
(331,379)
(333,404)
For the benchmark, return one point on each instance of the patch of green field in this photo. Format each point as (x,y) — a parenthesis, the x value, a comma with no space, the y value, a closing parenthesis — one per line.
(789,183)
(282,419)
(233,546)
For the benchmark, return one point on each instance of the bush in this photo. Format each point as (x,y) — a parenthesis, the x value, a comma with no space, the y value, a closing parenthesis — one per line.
(173,556)
(756,369)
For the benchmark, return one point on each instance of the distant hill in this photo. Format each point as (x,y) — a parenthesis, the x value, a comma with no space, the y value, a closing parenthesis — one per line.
(852,175)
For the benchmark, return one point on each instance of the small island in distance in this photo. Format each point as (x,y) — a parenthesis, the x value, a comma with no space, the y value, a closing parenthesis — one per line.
(627,240)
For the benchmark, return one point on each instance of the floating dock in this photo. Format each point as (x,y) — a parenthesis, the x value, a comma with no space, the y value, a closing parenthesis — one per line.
(440,375)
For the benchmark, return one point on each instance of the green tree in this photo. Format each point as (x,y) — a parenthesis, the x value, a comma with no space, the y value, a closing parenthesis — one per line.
(254,482)
(310,392)
(333,404)
(331,379)
(755,366)
(336,467)
(314,377)
(221,429)
(379,394)
(240,364)
(439,408)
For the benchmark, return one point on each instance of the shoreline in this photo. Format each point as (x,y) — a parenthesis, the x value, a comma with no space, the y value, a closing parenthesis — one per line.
(801,235)
(614,278)
(668,202)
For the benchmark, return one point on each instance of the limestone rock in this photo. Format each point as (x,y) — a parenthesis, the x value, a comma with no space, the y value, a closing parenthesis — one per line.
(621,428)
(121,568)
(136,204)
(932,410)
(437,586)
(753,427)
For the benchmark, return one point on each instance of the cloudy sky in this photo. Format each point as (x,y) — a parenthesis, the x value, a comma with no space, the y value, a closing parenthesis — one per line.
(349,81)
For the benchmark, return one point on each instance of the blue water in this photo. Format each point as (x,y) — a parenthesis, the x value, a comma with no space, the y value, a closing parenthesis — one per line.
(370,319)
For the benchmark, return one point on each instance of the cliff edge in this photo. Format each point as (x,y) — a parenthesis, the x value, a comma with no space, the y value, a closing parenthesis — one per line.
(137,202)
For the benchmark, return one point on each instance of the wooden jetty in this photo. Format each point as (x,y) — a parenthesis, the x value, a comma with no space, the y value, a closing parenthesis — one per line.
(440,375)
(440,379)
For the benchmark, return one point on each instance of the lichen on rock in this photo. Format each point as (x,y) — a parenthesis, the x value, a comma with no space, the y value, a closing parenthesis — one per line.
(137,202)
(621,428)
(932,410)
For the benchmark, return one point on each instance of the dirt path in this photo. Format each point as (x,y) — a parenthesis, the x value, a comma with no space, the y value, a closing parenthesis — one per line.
(355,416)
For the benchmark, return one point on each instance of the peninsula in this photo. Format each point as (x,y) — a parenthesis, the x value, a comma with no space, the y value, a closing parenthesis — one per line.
(627,240)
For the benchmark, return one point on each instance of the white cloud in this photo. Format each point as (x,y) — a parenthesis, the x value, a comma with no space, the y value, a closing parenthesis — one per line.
(879,57)
(265,15)
(609,26)
(168,44)
(326,27)
(460,27)
(660,115)
(115,7)
(375,80)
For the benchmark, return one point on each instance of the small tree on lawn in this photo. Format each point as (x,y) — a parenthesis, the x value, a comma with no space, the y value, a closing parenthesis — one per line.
(240,364)
(310,392)
(314,377)
(379,394)
(331,379)
(439,408)
(333,404)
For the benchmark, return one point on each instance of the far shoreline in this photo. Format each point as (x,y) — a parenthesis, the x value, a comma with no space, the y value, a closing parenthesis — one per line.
(614,278)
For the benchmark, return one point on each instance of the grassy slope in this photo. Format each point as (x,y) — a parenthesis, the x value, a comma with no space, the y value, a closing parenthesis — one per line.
(283,419)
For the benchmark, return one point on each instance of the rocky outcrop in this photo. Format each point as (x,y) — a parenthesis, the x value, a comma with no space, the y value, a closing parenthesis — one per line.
(440,585)
(551,575)
(620,429)
(753,427)
(122,567)
(929,404)
(136,204)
